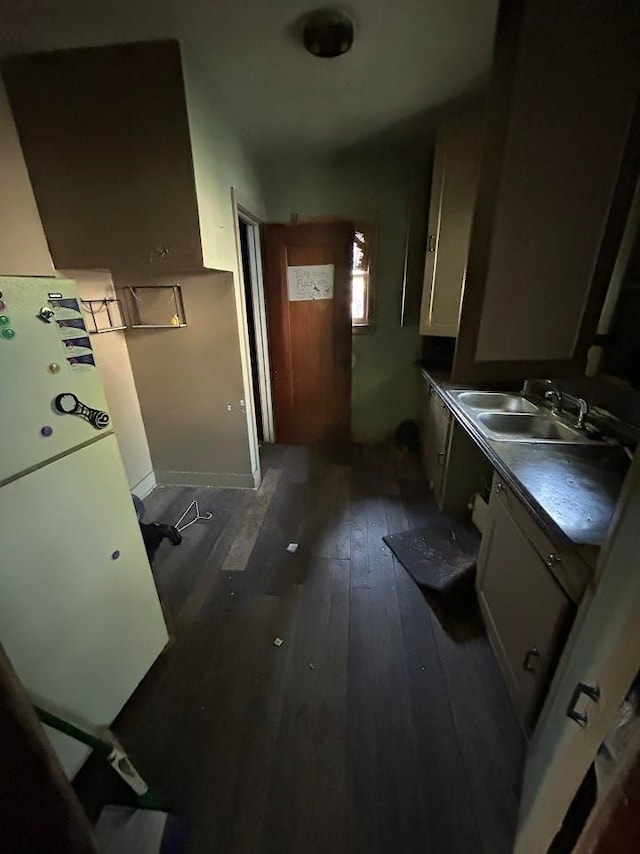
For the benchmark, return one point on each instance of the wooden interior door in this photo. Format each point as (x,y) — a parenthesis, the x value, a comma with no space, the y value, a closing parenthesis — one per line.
(307,279)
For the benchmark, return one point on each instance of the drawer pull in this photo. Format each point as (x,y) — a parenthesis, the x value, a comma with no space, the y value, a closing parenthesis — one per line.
(530,654)
(441,458)
(592,692)
(552,560)
(499,487)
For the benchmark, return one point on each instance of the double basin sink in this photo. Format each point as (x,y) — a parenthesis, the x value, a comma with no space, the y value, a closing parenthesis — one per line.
(513,418)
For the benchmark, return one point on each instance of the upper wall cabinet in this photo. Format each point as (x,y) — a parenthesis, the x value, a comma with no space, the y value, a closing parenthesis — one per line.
(23,247)
(558,170)
(456,166)
(106,139)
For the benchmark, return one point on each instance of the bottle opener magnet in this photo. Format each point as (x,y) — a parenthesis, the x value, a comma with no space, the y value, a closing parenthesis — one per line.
(68,404)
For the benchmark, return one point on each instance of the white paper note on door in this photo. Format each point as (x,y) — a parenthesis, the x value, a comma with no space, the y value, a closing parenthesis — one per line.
(313,281)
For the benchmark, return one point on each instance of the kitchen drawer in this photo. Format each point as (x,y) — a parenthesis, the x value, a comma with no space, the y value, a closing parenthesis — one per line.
(569,570)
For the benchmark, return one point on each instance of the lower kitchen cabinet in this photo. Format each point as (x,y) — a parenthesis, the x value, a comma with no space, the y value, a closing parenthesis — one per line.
(525,610)
(435,430)
(455,467)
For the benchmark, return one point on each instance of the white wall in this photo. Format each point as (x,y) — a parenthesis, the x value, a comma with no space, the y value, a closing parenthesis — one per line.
(189,383)
(364,184)
(23,246)
(112,359)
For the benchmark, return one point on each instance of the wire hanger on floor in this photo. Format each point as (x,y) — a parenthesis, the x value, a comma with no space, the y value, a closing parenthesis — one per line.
(194,505)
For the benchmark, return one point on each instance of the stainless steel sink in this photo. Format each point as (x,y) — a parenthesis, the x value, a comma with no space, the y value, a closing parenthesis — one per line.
(519,427)
(496,401)
(510,417)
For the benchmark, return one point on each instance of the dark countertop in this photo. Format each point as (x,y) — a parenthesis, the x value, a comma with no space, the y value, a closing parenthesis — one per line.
(572,490)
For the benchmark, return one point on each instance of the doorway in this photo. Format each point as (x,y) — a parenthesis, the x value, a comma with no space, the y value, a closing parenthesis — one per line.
(251,256)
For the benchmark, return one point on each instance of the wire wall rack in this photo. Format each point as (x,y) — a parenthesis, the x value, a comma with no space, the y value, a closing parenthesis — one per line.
(155,306)
(104,315)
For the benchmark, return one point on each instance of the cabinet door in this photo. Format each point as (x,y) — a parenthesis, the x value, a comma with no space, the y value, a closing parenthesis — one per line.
(435,428)
(427,431)
(523,606)
(441,427)
(455,178)
(106,140)
(430,435)
(437,188)
(558,170)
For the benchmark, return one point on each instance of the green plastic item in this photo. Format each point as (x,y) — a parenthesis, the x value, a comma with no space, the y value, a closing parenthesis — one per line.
(112,751)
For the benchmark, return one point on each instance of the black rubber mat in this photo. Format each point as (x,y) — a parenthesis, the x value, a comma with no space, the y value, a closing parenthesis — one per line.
(438,556)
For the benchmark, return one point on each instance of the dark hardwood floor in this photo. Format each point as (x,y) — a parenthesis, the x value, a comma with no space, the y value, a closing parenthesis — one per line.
(380,725)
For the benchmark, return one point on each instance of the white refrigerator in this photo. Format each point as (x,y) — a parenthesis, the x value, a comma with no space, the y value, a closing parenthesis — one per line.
(80,617)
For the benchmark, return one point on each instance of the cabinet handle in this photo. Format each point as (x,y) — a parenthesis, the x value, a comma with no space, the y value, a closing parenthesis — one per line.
(499,487)
(552,560)
(526,664)
(431,243)
(441,458)
(592,692)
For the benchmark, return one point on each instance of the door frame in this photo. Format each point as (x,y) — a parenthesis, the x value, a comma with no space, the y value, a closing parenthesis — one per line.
(255,273)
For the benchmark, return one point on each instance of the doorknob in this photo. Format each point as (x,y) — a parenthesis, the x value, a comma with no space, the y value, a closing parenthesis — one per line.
(592,692)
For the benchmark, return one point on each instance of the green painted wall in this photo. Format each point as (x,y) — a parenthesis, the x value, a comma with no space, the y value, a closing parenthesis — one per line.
(385,382)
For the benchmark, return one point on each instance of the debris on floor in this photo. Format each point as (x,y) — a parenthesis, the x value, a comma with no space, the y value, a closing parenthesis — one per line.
(292,548)
(278,642)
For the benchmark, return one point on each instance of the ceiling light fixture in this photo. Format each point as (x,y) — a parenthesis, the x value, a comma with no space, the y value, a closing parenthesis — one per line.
(327,33)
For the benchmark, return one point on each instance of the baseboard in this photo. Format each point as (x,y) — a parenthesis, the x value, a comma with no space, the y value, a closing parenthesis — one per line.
(224,480)
(145,486)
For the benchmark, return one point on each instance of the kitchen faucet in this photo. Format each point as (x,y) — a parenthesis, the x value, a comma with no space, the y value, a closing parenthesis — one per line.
(555,396)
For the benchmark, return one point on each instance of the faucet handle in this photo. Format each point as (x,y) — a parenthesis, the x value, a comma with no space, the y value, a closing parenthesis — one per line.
(555,395)
(583,411)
